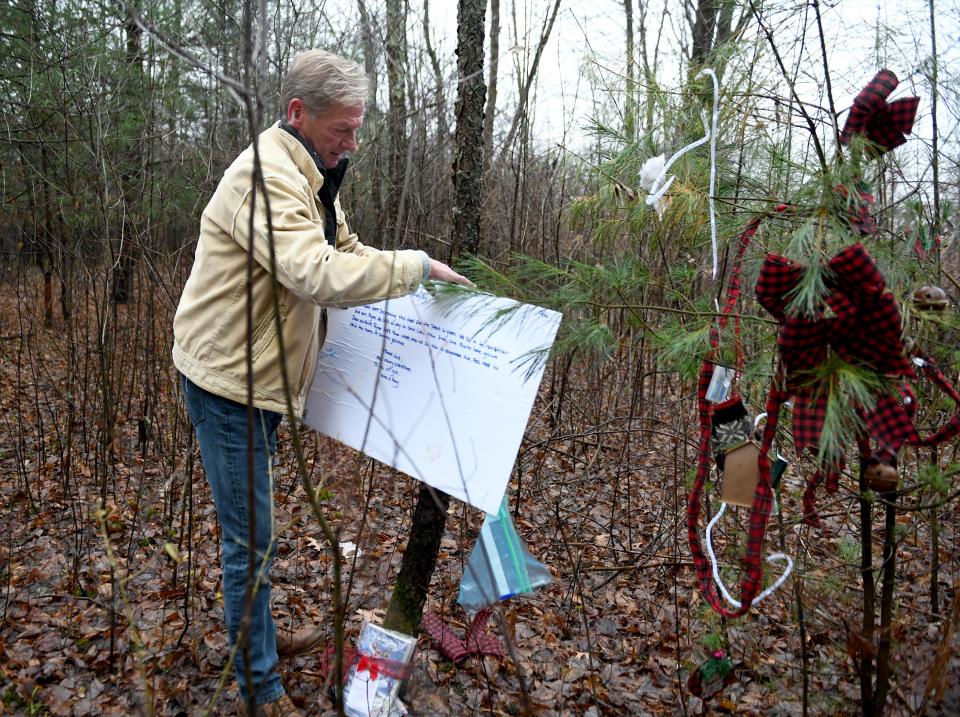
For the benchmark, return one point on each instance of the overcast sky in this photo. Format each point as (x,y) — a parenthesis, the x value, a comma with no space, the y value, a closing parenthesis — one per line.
(589,38)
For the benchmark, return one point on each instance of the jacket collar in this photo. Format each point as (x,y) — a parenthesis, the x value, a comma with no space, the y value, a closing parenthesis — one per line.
(299,154)
(331,176)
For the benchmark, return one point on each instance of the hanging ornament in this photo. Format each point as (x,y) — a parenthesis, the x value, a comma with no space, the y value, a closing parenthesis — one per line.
(712,675)
(930,298)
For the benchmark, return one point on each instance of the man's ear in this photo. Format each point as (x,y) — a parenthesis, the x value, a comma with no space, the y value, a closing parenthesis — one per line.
(296,112)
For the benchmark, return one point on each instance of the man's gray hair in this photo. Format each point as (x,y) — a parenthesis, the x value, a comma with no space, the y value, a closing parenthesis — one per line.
(322,79)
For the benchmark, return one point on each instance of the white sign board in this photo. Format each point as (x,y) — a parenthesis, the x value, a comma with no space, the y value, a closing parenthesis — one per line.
(440,389)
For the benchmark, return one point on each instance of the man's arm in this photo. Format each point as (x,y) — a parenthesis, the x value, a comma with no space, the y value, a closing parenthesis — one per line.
(349,242)
(308,266)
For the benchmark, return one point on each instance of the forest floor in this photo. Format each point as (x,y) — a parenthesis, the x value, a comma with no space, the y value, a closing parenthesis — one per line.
(118,612)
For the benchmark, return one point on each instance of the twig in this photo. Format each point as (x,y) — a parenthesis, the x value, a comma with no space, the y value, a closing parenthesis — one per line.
(786,75)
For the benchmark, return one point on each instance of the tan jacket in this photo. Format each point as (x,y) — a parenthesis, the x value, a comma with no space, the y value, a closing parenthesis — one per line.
(210,327)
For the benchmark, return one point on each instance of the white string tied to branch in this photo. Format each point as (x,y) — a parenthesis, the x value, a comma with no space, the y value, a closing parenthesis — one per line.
(657,191)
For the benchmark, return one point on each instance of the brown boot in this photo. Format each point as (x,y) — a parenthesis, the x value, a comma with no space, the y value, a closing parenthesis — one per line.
(298,642)
(280,707)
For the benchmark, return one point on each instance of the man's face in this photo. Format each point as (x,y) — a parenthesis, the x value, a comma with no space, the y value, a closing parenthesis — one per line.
(332,133)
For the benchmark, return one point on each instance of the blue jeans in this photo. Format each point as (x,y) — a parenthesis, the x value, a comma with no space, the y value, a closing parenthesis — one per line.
(221,428)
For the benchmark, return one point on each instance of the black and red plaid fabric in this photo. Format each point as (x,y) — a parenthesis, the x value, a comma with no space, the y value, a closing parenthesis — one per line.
(881,122)
(951,428)
(449,644)
(809,411)
(890,421)
(778,276)
(763,499)
(864,328)
(856,210)
(479,641)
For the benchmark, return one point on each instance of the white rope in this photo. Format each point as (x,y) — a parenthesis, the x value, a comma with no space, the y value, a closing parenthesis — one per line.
(775,557)
(770,558)
(710,135)
(715,119)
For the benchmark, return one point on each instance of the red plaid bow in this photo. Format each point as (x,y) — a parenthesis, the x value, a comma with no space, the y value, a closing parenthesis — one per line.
(478,641)
(864,329)
(884,123)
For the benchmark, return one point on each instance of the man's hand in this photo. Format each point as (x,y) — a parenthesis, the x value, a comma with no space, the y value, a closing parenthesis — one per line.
(441,272)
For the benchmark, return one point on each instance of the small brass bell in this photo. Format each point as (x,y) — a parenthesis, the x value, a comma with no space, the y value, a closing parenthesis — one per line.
(930,298)
(881,477)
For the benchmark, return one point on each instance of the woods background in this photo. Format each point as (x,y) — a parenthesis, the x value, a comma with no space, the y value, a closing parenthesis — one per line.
(117,121)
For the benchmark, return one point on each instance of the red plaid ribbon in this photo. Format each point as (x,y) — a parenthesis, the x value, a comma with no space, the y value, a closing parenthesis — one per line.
(884,123)
(856,209)
(478,641)
(864,328)
(891,425)
(763,499)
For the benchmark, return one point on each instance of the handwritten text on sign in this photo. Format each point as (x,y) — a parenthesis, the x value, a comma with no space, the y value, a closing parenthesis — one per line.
(432,388)
(402,330)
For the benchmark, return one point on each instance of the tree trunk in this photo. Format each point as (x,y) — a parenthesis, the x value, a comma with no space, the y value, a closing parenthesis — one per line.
(396,46)
(430,515)
(935,159)
(630,101)
(468,160)
(419,560)
(371,50)
(443,131)
(123,271)
(491,112)
(703,27)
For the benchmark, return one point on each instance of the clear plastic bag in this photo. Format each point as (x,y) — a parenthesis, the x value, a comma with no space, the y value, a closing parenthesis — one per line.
(500,566)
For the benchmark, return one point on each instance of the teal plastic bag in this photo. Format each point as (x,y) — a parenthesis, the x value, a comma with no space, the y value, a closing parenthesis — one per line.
(500,566)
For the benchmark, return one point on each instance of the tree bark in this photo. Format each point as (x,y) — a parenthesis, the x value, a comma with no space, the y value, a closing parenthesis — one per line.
(419,560)
(123,271)
(630,102)
(935,148)
(396,46)
(430,515)
(468,160)
(438,97)
(703,27)
(491,111)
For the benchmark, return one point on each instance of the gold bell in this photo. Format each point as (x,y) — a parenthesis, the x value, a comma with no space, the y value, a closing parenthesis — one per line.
(930,298)
(881,477)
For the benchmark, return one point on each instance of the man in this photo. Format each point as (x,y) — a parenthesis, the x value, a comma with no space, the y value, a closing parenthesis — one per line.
(319,263)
